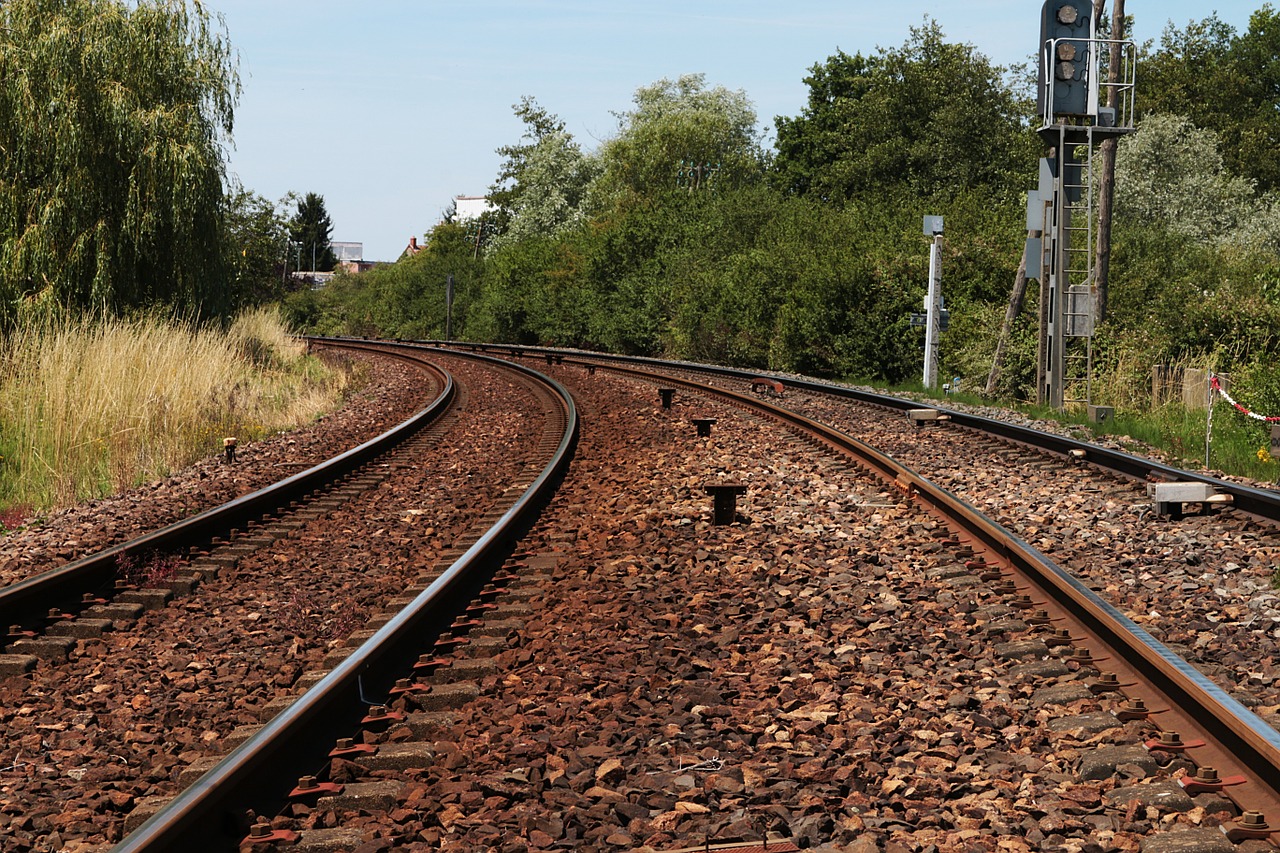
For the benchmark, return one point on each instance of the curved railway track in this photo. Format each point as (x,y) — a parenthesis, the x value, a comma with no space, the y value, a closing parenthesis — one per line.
(268,604)
(261,770)
(79,586)
(661,681)
(1188,706)
(1191,708)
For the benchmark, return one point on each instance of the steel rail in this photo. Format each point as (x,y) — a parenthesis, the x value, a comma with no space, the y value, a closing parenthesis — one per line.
(209,815)
(27,600)
(1187,702)
(1262,503)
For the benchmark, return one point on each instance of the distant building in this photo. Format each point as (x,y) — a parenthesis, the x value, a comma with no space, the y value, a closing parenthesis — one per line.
(465,209)
(347,251)
(350,257)
(470,207)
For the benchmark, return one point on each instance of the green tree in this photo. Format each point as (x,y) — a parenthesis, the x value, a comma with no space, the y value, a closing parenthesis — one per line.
(255,236)
(401,300)
(113,117)
(542,185)
(311,230)
(1171,176)
(1224,81)
(680,133)
(931,117)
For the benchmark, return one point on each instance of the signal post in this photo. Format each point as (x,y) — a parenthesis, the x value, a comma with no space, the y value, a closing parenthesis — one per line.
(1062,209)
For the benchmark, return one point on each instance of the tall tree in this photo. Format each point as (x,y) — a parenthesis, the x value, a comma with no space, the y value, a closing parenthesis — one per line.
(113,117)
(542,186)
(1223,81)
(312,231)
(1172,176)
(255,236)
(1107,172)
(930,115)
(682,134)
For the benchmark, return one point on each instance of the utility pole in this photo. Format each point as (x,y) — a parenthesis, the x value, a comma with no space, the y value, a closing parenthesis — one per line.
(1010,317)
(448,308)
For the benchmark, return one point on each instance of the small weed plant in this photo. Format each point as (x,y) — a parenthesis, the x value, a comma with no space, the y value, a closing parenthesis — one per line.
(14,518)
(146,570)
(304,614)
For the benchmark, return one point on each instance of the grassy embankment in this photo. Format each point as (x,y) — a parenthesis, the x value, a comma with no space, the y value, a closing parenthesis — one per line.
(1238,444)
(91,408)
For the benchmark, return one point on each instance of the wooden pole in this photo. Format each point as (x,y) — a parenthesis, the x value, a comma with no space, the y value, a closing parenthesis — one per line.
(1010,315)
(1107,178)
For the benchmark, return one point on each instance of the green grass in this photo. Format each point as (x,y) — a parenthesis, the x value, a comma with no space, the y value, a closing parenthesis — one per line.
(1176,432)
(91,408)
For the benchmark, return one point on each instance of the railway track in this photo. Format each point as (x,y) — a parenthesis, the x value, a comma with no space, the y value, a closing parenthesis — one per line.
(856,661)
(127,713)
(1233,736)
(64,593)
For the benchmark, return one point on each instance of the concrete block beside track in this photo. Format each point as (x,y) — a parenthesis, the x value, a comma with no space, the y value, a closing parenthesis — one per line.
(1090,723)
(481,646)
(150,599)
(1164,795)
(1102,763)
(371,796)
(182,584)
(116,611)
(427,724)
(1040,669)
(992,612)
(55,649)
(13,665)
(333,840)
(399,756)
(1061,694)
(275,707)
(498,628)
(1189,840)
(193,771)
(239,735)
(309,679)
(468,668)
(444,697)
(337,656)
(1021,650)
(143,809)
(81,629)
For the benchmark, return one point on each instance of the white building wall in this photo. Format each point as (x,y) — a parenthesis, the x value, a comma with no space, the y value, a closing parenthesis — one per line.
(471,206)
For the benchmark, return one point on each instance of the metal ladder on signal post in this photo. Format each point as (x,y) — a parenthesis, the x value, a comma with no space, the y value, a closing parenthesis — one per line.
(1079,215)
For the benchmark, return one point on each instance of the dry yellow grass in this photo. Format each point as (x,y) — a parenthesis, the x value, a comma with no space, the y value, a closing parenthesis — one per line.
(92,407)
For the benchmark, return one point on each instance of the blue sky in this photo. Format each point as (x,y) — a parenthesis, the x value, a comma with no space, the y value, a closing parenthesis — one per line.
(389,109)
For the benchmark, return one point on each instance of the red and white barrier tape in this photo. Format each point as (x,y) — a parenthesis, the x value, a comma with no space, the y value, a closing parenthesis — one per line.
(1213,380)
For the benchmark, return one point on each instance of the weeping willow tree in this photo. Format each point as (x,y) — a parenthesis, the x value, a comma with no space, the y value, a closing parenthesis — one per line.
(114,118)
